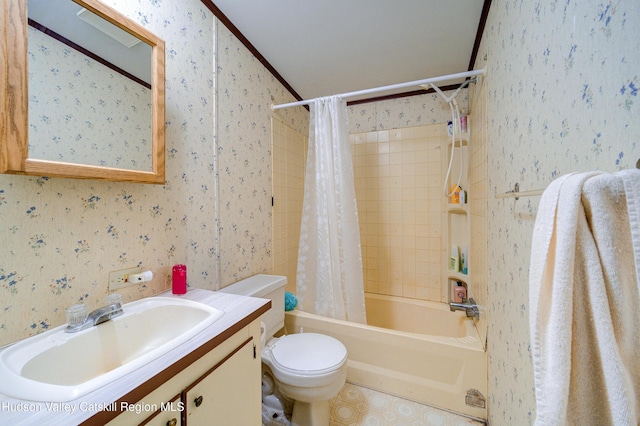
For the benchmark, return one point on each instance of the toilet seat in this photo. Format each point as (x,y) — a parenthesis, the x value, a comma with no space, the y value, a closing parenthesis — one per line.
(308,354)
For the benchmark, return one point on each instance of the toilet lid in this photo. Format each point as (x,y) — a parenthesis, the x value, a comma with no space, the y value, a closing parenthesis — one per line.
(309,353)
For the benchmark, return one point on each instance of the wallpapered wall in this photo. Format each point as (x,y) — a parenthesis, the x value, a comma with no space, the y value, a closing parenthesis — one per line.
(403,112)
(246,92)
(75,100)
(563,81)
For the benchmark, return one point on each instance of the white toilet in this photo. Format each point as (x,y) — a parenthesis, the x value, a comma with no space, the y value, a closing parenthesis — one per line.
(309,368)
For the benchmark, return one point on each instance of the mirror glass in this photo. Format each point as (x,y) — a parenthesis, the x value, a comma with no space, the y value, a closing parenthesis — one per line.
(89,85)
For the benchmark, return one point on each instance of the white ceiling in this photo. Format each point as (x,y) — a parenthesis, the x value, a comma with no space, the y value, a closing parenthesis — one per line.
(326,47)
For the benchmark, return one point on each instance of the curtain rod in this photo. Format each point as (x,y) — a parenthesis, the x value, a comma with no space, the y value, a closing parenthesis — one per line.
(390,87)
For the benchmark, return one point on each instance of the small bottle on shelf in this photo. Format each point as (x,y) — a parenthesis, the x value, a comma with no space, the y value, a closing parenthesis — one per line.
(454,259)
(463,196)
(455,194)
(463,260)
(459,293)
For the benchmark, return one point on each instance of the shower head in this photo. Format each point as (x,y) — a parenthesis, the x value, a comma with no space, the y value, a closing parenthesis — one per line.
(464,84)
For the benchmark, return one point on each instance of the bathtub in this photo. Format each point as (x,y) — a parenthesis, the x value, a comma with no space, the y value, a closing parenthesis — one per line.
(414,349)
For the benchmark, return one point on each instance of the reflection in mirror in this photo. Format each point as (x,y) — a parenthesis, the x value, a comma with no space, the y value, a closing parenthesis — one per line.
(90,98)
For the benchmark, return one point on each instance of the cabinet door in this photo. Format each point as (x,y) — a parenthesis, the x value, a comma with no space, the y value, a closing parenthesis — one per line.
(229,394)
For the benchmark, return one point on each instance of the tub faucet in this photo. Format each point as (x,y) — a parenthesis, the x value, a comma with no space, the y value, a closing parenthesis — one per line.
(470,308)
(79,320)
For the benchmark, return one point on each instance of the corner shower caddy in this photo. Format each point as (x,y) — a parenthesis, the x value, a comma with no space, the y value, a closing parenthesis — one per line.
(457,220)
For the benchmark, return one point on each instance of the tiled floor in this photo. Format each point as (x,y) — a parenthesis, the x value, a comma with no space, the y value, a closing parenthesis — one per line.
(356,405)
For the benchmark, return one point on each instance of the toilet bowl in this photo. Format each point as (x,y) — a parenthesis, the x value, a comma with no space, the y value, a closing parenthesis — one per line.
(308,368)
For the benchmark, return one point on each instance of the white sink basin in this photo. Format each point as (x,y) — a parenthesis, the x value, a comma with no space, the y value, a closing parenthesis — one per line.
(58,366)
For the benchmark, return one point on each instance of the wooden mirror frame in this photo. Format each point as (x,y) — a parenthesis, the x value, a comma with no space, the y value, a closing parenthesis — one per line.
(14,100)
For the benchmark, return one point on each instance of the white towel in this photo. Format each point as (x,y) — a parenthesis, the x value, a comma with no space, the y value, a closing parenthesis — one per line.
(585,300)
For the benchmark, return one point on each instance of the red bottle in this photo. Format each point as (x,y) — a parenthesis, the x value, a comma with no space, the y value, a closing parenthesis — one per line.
(179,279)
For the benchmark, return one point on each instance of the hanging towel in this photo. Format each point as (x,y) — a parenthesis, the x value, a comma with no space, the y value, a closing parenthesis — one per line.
(585,300)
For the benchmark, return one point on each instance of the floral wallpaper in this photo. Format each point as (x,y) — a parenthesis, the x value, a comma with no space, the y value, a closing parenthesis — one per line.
(562,80)
(74,101)
(411,111)
(246,92)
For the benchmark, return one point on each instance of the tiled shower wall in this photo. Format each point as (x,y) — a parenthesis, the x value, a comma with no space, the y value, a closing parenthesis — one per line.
(289,149)
(398,179)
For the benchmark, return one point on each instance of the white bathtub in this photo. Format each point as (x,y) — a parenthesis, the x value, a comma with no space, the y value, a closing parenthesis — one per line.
(431,355)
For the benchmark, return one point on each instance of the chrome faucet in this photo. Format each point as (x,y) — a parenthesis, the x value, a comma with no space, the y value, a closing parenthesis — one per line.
(470,308)
(78,319)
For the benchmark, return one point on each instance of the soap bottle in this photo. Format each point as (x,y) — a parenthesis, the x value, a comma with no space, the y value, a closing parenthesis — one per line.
(454,259)
(459,293)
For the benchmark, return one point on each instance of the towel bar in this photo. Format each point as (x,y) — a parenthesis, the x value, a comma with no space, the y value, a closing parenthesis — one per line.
(516,193)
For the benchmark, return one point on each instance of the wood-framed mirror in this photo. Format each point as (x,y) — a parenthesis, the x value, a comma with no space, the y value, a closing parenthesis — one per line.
(38,133)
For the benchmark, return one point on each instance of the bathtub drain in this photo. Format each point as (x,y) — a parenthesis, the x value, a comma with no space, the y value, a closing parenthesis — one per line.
(475,399)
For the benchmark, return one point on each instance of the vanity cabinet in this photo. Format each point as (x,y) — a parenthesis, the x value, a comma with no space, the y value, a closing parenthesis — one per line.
(221,387)
(222,363)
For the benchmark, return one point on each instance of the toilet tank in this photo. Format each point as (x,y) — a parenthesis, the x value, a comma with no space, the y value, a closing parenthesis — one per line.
(266,287)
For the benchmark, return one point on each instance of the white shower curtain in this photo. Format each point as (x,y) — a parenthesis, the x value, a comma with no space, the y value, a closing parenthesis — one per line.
(329,279)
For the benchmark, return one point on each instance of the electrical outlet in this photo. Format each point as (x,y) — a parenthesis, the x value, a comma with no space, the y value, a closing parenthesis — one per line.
(118,279)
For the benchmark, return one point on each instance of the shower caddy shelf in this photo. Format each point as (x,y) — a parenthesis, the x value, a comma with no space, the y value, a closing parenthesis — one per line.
(458,208)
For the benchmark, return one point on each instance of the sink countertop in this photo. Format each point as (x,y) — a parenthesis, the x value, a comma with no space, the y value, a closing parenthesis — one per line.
(237,309)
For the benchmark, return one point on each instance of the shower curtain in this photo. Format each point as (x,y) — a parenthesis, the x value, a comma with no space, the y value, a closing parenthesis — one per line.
(329,280)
